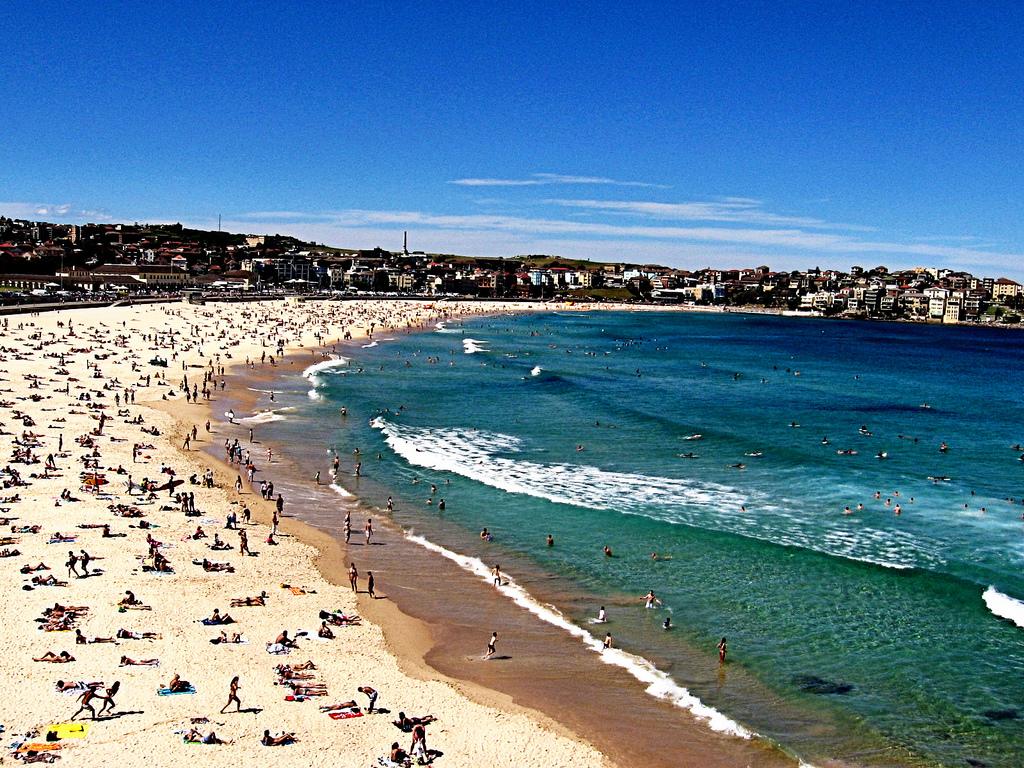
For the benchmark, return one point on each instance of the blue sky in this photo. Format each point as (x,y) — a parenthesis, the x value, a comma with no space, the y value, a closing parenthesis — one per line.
(700,134)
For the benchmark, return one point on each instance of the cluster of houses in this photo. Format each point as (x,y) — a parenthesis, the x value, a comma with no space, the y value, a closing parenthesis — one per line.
(41,257)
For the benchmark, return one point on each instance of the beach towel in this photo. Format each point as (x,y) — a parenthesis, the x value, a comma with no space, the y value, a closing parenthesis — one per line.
(80,686)
(38,747)
(277,649)
(212,623)
(345,714)
(66,731)
(169,692)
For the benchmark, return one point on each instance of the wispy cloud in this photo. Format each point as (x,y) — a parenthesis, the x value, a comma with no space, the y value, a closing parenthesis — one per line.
(544,179)
(736,210)
(54,212)
(766,241)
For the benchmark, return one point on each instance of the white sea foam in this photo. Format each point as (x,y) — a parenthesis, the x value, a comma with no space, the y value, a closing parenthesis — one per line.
(536,370)
(371,344)
(324,365)
(341,491)
(482,456)
(1004,606)
(658,683)
(472,346)
(262,417)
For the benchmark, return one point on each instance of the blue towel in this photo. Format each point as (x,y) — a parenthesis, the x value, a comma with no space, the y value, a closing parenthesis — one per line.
(169,692)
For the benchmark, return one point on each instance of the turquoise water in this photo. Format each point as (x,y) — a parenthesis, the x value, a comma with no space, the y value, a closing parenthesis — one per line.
(873,624)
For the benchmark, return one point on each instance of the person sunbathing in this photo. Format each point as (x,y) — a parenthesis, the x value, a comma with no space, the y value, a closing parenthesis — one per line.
(177,685)
(195,737)
(216,618)
(339,619)
(325,631)
(126,634)
(285,641)
(277,741)
(284,674)
(210,567)
(406,724)
(48,581)
(297,667)
(342,705)
(10,552)
(398,756)
(241,602)
(304,689)
(218,545)
(32,569)
(70,685)
(55,658)
(128,662)
(81,639)
(236,638)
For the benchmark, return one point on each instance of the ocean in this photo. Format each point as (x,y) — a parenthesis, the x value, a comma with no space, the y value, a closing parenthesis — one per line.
(729,446)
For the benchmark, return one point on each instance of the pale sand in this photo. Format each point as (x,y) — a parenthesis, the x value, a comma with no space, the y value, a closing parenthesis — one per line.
(147,728)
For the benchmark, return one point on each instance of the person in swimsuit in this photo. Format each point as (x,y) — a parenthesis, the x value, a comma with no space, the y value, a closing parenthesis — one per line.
(492,645)
(233,696)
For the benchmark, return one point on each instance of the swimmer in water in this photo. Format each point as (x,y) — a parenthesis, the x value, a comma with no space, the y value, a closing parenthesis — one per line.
(608,551)
(667,623)
(651,600)
(551,540)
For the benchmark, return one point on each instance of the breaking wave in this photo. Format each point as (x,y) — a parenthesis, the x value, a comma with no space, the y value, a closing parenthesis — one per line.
(1004,606)
(485,457)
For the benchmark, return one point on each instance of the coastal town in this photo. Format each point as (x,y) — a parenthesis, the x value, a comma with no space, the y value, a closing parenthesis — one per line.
(46,262)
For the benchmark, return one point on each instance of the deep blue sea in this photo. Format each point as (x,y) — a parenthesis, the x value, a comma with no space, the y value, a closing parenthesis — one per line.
(731,446)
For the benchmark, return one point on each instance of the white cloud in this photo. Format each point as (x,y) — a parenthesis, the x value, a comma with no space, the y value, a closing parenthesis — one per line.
(52,212)
(541,179)
(777,246)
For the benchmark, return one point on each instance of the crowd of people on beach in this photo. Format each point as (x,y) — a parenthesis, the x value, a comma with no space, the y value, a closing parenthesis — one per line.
(89,430)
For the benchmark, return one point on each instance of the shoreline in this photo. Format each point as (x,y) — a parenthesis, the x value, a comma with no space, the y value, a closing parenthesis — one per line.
(709,730)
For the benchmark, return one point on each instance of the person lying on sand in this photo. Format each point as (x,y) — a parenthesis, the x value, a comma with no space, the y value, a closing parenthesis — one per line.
(81,639)
(195,737)
(236,638)
(127,634)
(128,662)
(296,667)
(406,724)
(48,581)
(55,658)
(32,569)
(277,741)
(241,602)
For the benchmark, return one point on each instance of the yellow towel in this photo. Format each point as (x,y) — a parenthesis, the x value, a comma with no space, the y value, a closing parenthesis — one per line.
(69,730)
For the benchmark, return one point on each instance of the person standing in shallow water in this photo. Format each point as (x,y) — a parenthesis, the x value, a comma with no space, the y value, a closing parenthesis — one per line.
(492,645)
(722,650)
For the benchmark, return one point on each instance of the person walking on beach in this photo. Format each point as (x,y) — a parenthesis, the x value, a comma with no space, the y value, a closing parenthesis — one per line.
(72,564)
(368,530)
(722,650)
(369,585)
(243,543)
(86,701)
(496,575)
(492,645)
(353,577)
(233,696)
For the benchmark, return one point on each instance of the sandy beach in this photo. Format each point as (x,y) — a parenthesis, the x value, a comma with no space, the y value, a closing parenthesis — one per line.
(99,463)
